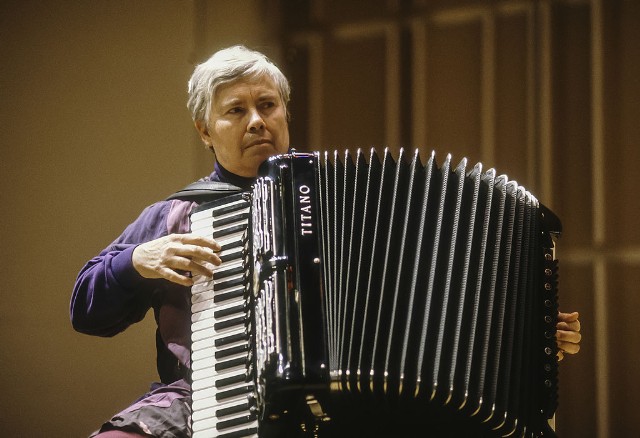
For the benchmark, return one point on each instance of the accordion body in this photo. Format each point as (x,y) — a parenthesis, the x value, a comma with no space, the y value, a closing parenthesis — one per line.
(376,296)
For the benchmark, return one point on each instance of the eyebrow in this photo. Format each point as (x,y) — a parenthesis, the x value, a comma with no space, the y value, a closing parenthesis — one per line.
(234,101)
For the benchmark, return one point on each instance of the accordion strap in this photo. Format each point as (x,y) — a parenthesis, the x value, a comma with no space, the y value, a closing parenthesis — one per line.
(201,191)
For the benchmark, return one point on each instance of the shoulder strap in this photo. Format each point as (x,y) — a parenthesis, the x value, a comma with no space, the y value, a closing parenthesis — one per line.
(201,191)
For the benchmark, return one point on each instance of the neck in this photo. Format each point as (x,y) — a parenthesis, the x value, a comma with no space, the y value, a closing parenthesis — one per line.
(243,182)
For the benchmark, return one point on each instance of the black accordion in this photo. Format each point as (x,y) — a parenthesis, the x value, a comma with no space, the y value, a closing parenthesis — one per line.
(376,296)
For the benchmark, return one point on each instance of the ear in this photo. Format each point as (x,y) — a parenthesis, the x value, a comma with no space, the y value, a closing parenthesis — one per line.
(203,130)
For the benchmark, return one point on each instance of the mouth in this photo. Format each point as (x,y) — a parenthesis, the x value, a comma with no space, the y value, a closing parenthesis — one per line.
(258,142)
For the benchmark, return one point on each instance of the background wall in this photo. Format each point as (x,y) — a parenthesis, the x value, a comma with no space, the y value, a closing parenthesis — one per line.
(94,128)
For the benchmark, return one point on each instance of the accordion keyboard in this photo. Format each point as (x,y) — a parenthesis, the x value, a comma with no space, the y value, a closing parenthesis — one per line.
(222,388)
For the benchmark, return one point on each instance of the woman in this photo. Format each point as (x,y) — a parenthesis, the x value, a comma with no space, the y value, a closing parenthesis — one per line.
(238,99)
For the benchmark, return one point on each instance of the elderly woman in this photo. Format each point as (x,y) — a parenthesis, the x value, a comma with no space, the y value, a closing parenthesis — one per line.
(238,100)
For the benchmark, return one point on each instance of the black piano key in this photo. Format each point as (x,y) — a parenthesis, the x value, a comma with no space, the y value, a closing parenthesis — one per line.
(230,219)
(243,407)
(226,340)
(229,230)
(224,205)
(233,322)
(221,354)
(219,275)
(226,424)
(221,297)
(223,395)
(232,245)
(230,283)
(228,311)
(225,365)
(228,381)
(239,433)
(228,257)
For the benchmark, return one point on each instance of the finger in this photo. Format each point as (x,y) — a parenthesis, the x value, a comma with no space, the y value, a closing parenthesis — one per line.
(568,317)
(175,277)
(560,355)
(202,241)
(568,336)
(196,253)
(204,254)
(569,326)
(196,267)
(568,347)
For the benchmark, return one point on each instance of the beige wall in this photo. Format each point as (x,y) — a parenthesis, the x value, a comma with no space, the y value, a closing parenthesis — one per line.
(93,128)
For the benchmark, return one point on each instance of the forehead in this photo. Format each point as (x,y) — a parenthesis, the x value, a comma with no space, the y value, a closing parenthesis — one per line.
(254,87)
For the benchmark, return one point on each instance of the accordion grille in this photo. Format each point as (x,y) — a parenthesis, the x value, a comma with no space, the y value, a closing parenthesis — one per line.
(434,287)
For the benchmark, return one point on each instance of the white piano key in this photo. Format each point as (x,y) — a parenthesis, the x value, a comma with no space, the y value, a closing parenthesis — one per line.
(207,309)
(207,372)
(230,371)
(207,349)
(209,342)
(211,212)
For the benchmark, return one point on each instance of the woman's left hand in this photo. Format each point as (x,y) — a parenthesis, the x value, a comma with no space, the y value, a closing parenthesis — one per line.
(568,334)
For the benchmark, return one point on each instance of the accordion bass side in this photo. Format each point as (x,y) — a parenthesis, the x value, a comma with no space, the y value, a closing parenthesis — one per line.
(360,295)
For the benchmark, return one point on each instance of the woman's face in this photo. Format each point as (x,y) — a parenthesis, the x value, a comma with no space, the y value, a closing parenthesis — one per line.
(247,124)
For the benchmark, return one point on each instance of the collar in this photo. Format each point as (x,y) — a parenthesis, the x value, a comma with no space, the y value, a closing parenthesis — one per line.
(223,175)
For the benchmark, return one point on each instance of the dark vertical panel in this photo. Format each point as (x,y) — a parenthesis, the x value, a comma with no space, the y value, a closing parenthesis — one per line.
(341,10)
(296,14)
(571,120)
(454,74)
(577,411)
(511,97)
(406,89)
(624,344)
(622,130)
(353,107)
(297,71)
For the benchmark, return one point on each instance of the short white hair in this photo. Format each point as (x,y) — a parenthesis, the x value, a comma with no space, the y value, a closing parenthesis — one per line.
(226,66)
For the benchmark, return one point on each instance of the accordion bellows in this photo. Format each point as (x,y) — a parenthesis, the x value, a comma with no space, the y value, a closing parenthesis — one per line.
(380,296)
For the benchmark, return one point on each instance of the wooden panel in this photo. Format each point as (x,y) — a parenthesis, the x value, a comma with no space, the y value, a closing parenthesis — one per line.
(571,121)
(511,100)
(454,89)
(341,11)
(297,71)
(577,411)
(353,108)
(622,149)
(624,344)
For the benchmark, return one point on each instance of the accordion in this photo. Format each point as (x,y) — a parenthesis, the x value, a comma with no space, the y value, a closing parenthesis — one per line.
(378,296)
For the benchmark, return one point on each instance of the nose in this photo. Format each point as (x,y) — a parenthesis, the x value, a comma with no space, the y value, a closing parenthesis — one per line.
(256,123)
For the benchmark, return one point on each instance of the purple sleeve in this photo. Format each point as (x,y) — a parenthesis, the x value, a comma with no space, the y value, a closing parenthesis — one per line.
(109,294)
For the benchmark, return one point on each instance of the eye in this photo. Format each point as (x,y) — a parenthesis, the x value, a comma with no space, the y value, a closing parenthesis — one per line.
(235,110)
(268,104)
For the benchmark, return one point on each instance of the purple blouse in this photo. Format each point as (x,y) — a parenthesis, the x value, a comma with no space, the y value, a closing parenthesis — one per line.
(109,294)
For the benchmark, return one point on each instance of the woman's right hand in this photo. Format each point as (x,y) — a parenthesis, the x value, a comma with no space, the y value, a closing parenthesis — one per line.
(171,257)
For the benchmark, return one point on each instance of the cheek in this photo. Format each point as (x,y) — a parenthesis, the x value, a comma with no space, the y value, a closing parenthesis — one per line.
(226,137)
